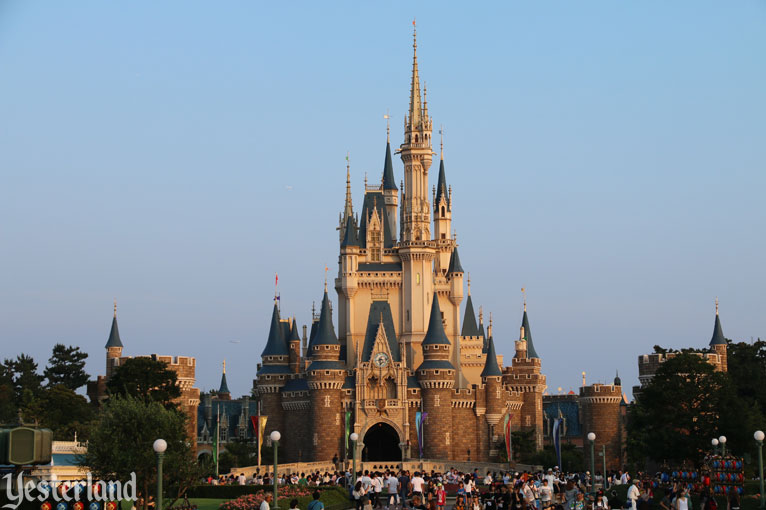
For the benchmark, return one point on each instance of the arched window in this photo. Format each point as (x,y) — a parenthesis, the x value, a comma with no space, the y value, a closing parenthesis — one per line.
(442,211)
(416,138)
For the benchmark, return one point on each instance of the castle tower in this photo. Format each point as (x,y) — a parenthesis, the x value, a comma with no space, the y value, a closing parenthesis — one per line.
(416,249)
(455,279)
(436,376)
(718,342)
(601,414)
(325,377)
(526,377)
(350,248)
(491,377)
(223,389)
(390,191)
(443,220)
(294,344)
(113,346)
(273,374)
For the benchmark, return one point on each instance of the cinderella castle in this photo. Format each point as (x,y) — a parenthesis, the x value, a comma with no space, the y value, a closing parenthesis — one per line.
(403,370)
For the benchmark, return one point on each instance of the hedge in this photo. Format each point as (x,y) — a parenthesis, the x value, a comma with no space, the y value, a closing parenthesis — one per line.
(235,491)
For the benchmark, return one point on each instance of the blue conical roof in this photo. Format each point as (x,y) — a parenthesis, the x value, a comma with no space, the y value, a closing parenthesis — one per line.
(441,187)
(469,320)
(350,236)
(491,368)
(454,263)
(275,345)
(718,338)
(388,171)
(114,335)
(294,336)
(224,388)
(531,352)
(325,334)
(435,333)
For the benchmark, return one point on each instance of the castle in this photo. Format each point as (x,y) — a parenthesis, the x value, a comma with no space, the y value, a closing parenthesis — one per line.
(184,367)
(402,371)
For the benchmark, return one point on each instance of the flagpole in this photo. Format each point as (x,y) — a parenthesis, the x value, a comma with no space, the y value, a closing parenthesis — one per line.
(217,435)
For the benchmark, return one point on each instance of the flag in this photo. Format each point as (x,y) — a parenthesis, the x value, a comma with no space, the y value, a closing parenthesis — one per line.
(557,425)
(507,432)
(419,421)
(261,430)
(276,279)
(348,429)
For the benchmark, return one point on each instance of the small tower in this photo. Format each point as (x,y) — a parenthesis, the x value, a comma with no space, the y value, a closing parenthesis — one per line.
(601,414)
(390,191)
(113,346)
(326,376)
(436,376)
(294,345)
(273,374)
(455,279)
(491,376)
(350,248)
(442,219)
(718,342)
(223,389)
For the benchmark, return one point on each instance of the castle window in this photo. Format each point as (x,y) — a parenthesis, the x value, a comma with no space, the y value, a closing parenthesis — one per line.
(442,213)
(326,372)
(444,236)
(527,421)
(436,372)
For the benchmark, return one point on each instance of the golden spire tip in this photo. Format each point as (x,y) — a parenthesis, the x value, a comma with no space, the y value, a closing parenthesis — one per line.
(115,308)
(716,305)
(224,366)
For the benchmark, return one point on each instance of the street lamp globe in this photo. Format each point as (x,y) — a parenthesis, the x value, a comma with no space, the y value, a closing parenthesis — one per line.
(591,436)
(354,436)
(714,442)
(722,439)
(759,435)
(160,445)
(275,436)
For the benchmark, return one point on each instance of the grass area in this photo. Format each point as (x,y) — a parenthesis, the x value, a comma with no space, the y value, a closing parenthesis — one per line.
(207,503)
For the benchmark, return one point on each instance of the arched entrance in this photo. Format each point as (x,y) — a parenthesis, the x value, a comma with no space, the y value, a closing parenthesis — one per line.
(381,443)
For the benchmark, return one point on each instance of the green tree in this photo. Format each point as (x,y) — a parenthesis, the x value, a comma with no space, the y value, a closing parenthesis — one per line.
(63,411)
(66,366)
(7,394)
(572,457)
(27,383)
(679,411)
(145,378)
(121,443)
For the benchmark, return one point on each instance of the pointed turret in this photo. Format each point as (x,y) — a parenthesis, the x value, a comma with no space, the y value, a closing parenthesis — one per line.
(435,334)
(531,352)
(275,344)
(718,338)
(470,328)
(114,333)
(617,380)
(350,237)
(442,194)
(389,183)
(481,326)
(325,334)
(223,388)
(454,263)
(491,368)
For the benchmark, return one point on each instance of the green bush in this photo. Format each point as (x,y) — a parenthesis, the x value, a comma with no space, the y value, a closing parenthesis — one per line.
(235,491)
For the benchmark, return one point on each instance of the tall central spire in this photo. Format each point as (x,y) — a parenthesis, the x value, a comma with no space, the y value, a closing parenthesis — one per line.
(415,108)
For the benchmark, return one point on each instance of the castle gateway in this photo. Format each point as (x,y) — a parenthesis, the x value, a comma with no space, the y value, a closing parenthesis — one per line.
(402,366)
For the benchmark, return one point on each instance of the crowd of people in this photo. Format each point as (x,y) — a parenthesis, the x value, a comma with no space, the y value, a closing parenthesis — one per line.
(543,490)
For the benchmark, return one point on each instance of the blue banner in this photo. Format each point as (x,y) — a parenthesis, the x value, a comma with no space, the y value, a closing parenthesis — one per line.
(558,424)
(419,419)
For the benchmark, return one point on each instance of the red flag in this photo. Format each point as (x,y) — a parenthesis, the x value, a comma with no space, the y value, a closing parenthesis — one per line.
(276,279)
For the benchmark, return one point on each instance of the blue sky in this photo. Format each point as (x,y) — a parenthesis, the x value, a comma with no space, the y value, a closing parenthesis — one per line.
(607,156)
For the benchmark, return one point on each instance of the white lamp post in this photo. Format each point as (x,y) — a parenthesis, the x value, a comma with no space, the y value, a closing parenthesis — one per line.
(722,440)
(275,437)
(592,441)
(714,442)
(759,435)
(159,446)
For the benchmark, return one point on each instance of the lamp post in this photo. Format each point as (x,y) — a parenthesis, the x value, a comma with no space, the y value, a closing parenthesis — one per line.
(275,436)
(592,441)
(354,437)
(160,445)
(603,474)
(714,442)
(759,441)
(722,440)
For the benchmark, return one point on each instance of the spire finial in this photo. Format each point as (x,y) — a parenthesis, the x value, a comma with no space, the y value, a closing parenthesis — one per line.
(387,116)
(365,181)
(716,305)
(224,366)
(276,282)
(489,329)
(469,284)
(325,277)
(481,315)
(524,294)
(313,309)
(415,110)
(583,379)
(441,143)
(115,308)
(349,207)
